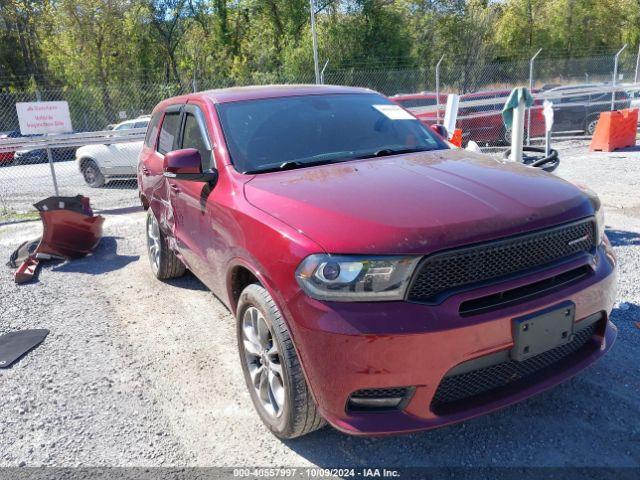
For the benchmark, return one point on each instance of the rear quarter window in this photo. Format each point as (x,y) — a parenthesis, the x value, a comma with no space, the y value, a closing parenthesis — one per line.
(152,130)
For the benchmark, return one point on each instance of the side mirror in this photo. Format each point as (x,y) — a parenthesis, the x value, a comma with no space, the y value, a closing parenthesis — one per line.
(186,165)
(440,130)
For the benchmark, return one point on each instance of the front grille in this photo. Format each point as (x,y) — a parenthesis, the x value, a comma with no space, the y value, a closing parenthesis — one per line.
(491,261)
(475,382)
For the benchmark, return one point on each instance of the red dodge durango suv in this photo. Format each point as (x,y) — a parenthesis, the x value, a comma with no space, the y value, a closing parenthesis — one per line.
(381,281)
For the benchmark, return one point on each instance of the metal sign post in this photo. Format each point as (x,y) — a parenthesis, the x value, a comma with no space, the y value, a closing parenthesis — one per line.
(53,172)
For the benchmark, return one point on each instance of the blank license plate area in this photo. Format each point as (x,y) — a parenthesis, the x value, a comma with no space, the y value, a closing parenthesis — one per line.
(542,331)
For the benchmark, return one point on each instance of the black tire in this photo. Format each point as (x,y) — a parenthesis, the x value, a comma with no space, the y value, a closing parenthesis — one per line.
(299,415)
(506,136)
(166,265)
(92,174)
(590,125)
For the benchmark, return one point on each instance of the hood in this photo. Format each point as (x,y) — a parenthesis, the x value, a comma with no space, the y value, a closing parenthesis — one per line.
(416,203)
(27,151)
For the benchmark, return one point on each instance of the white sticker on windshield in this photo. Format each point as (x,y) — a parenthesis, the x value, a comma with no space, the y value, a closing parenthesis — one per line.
(394,112)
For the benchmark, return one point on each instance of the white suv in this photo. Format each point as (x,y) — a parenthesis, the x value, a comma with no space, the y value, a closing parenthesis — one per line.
(101,163)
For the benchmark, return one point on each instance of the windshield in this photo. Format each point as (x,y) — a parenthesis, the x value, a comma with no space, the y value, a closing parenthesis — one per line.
(292,132)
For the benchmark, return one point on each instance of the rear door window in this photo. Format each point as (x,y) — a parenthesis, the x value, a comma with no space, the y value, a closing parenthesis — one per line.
(168,132)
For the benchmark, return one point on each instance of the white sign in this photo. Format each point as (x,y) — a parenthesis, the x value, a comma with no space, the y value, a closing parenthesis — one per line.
(43,117)
(123,115)
(547,111)
(451,113)
(394,112)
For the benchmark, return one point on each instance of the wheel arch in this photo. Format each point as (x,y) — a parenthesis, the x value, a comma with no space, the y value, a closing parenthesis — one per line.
(240,266)
(241,274)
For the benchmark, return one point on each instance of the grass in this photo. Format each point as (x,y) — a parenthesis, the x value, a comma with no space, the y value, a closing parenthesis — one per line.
(10,216)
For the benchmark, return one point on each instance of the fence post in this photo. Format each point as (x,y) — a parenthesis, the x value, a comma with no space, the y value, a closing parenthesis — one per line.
(615,76)
(314,34)
(530,89)
(635,77)
(438,89)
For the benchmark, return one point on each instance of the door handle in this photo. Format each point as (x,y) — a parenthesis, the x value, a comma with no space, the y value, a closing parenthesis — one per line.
(175,188)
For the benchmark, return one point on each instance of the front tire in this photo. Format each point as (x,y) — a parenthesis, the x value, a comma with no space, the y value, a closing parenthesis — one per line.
(92,174)
(592,123)
(271,368)
(164,263)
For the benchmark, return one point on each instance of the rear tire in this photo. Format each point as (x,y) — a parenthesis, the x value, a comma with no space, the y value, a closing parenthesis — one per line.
(506,136)
(267,355)
(164,263)
(92,174)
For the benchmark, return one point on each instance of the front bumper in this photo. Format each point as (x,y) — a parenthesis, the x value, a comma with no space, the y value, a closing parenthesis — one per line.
(345,347)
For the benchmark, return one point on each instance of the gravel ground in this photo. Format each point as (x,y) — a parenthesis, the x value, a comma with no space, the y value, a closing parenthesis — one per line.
(136,372)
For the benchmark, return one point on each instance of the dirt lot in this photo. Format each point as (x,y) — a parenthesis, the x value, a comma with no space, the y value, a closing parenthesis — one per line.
(138,372)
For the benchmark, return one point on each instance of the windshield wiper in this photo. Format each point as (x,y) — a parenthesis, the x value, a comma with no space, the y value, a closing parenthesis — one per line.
(291,165)
(390,151)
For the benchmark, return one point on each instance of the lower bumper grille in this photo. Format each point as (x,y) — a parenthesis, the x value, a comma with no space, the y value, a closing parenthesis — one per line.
(489,379)
(379,399)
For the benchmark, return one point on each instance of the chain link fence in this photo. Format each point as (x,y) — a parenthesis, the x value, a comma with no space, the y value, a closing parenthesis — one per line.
(103,165)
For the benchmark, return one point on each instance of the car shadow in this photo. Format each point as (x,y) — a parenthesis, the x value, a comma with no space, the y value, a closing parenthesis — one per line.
(634,148)
(188,281)
(120,211)
(546,430)
(623,238)
(104,259)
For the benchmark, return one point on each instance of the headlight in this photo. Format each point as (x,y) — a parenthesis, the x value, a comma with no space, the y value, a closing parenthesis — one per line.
(355,278)
(597,207)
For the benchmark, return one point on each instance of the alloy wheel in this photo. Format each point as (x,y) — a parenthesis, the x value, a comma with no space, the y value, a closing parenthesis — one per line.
(90,175)
(153,241)
(263,362)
